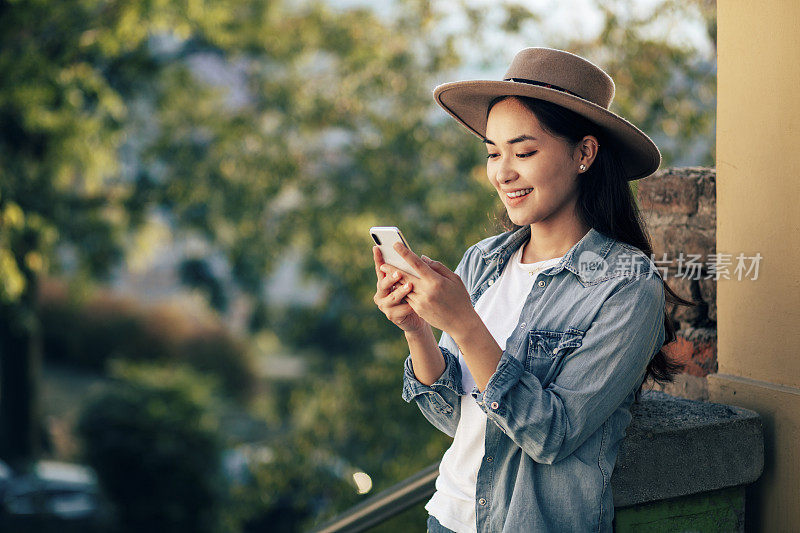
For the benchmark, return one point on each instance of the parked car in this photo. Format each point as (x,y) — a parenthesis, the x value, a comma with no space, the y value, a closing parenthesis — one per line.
(6,474)
(53,496)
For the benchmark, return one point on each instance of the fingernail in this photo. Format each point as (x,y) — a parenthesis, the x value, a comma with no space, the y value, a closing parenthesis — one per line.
(426,258)
(405,286)
(396,275)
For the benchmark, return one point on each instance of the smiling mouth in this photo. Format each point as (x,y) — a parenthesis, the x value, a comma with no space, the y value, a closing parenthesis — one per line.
(517,194)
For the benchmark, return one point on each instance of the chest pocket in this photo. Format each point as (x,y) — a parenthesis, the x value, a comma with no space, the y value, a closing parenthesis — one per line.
(546,350)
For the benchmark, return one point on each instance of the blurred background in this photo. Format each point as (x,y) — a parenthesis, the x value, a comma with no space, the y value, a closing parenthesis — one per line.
(188,340)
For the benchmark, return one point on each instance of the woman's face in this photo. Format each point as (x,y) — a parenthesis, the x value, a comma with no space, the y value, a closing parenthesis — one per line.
(535,173)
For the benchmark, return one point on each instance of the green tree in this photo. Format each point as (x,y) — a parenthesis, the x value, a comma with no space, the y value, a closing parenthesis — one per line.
(106,119)
(70,71)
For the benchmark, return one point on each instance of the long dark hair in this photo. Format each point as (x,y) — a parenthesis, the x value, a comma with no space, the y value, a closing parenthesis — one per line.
(606,203)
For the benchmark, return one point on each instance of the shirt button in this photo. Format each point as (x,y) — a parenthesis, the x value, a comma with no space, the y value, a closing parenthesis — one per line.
(542,283)
(522,326)
(495,405)
(491,281)
(489,459)
(482,501)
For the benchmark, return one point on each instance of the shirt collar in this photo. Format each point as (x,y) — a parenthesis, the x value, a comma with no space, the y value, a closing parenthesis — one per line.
(591,248)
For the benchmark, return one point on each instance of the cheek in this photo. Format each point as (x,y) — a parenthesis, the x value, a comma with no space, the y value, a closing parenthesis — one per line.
(491,175)
(565,191)
(556,175)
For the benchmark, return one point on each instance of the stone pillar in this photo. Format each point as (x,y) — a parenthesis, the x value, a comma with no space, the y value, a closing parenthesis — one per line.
(758,212)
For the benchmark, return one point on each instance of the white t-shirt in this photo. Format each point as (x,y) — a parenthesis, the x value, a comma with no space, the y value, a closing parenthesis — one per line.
(453,503)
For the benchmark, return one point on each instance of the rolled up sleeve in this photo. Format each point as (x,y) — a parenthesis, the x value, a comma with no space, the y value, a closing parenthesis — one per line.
(439,402)
(595,378)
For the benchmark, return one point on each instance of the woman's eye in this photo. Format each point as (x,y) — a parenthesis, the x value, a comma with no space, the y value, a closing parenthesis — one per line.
(528,154)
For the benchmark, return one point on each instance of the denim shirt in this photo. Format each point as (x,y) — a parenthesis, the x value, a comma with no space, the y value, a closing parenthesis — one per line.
(559,400)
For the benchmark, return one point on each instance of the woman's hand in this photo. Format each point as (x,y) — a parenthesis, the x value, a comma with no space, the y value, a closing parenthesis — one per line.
(390,296)
(438,295)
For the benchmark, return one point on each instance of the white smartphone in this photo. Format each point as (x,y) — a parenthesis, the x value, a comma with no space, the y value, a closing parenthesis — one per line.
(385,237)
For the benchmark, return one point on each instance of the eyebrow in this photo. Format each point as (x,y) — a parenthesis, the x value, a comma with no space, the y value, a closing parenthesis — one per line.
(523,137)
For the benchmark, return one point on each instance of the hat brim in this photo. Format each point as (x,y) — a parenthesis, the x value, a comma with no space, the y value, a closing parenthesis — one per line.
(467,102)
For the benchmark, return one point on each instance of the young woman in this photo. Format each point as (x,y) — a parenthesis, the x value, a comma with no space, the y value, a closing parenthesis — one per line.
(549,329)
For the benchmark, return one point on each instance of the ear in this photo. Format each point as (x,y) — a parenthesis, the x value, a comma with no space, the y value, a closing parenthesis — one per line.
(586,151)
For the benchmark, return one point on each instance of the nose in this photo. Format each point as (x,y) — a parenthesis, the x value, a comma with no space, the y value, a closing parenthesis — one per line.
(505,173)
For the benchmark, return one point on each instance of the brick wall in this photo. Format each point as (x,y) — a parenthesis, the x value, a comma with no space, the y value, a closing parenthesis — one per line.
(679,207)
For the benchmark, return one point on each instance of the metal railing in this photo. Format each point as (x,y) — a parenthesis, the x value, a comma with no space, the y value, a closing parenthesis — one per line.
(385,504)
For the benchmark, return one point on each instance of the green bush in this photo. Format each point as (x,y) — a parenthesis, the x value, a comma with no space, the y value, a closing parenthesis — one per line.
(152,439)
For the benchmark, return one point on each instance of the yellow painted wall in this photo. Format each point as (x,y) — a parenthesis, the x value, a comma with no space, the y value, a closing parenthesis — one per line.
(758,211)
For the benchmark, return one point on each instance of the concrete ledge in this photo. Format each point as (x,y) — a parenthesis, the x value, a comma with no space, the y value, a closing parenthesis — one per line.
(675,447)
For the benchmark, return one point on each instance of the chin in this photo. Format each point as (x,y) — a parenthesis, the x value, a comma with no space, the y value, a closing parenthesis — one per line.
(520,221)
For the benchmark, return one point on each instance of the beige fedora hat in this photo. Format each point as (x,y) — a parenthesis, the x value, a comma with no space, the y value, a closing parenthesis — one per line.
(562,78)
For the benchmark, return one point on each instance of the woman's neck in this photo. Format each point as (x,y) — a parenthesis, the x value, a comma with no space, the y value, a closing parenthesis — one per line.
(548,242)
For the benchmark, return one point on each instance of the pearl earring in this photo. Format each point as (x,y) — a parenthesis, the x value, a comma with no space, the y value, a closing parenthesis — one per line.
(582,167)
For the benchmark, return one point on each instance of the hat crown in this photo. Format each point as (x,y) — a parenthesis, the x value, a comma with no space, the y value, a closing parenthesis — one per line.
(563,70)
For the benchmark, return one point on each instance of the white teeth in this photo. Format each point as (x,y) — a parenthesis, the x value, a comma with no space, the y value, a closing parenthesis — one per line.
(516,194)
